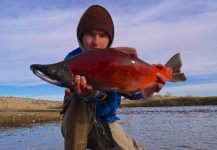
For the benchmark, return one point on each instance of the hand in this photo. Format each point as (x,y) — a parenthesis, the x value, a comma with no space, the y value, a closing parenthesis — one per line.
(161,80)
(82,88)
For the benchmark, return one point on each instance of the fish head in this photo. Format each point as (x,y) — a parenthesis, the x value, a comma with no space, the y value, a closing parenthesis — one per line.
(57,74)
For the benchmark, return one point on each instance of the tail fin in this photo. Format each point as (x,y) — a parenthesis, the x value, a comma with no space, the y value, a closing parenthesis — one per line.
(176,63)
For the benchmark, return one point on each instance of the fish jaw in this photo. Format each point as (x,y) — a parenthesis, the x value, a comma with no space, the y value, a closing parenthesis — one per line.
(57,74)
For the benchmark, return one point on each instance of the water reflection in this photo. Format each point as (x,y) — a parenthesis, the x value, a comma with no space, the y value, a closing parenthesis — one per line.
(164,128)
(173,127)
(39,137)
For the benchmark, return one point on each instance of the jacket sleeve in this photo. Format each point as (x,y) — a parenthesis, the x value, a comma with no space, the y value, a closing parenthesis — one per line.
(136,96)
(109,105)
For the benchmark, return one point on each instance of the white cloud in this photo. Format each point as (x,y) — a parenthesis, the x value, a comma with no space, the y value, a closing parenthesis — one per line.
(40,37)
(157,29)
(206,89)
(58,97)
(194,36)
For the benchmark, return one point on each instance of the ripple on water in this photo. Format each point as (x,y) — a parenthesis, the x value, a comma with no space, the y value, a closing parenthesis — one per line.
(166,128)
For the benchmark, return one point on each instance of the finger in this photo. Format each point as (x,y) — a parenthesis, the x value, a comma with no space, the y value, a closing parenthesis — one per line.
(77,84)
(159,87)
(160,66)
(153,65)
(68,92)
(84,84)
(89,88)
(160,82)
(161,78)
(77,80)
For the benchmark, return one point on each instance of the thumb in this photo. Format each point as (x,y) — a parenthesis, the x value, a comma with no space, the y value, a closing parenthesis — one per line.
(68,92)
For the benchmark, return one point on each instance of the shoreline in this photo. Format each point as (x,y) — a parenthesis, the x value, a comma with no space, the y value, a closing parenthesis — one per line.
(170,101)
(22,112)
(23,119)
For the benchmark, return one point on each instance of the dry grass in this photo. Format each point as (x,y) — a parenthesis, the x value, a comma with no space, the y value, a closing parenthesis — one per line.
(161,101)
(12,119)
(16,103)
(15,111)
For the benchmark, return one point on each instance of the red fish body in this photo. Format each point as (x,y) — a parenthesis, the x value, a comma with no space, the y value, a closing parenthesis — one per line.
(118,69)
(111,69)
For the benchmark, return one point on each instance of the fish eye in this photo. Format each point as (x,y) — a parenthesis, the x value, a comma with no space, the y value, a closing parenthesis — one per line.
(52,71)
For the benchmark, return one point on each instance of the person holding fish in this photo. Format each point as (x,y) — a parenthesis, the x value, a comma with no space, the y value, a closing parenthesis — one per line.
(96,77)
(90,119)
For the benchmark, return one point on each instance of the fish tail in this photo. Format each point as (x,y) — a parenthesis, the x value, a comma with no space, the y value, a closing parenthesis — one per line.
(176,63)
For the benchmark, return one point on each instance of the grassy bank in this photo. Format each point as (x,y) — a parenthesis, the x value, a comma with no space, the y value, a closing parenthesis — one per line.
(171,101)
(23,112)
(15,111)
(18,118)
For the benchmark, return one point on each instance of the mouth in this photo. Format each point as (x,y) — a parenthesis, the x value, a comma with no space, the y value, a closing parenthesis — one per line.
(44,77)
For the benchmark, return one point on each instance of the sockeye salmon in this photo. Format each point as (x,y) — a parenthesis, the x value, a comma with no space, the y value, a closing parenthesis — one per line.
(111,69)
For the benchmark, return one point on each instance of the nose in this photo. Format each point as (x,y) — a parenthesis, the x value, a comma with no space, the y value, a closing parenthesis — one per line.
(96,40)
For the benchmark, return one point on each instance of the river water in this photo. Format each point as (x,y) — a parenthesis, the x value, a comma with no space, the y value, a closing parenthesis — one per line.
(156,128)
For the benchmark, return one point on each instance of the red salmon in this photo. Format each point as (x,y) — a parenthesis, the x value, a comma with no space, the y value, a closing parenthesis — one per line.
(111,69)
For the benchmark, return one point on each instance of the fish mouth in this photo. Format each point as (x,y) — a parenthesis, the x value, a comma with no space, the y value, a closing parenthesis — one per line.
(44,77)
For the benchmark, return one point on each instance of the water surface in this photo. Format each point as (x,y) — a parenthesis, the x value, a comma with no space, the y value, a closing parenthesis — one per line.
(156,128)
(172,128)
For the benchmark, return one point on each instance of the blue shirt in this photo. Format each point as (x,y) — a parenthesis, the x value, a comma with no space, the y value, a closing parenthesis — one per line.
(109,106)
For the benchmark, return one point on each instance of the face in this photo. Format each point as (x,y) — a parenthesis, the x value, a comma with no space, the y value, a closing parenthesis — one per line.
(95,39)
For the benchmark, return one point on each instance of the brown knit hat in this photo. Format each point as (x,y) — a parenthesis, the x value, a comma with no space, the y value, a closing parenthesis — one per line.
(96,17)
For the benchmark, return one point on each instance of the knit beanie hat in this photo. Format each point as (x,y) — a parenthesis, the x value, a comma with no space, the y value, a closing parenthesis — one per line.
(96,17)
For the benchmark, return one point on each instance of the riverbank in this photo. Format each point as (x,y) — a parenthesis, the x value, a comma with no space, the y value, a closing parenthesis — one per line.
(15,111)
(167,101)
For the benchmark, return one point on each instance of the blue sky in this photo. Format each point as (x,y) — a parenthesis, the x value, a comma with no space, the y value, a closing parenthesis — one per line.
(44,32)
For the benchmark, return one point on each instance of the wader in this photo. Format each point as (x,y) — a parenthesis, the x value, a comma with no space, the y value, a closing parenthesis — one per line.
(81,130)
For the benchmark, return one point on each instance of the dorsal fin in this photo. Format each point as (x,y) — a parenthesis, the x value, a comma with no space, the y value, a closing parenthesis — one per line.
(128,50)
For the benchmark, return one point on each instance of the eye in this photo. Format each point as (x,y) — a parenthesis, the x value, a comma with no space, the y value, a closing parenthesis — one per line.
(103,35)
(52,71)
(90,34)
